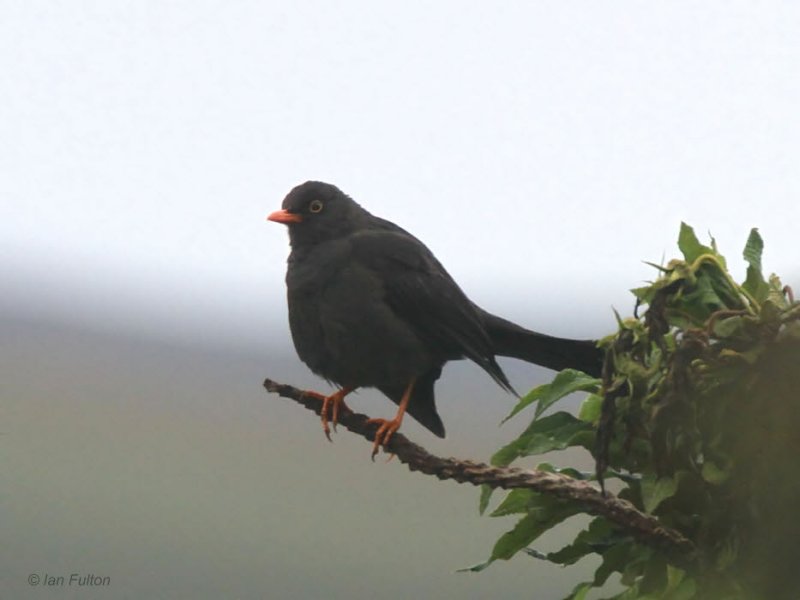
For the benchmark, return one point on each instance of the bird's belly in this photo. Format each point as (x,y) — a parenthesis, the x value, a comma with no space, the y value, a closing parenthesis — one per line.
(345,331)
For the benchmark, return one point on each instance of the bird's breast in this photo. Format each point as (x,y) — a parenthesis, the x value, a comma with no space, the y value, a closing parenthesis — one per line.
(342,327)
(308,274)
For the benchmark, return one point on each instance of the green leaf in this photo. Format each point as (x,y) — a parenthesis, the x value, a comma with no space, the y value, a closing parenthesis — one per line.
(714,474)
(535,553)
(753,249)
(584,439)
(703,296)
(657,267)
(525,531)
(754,284)
(553,432)
(735,326)
(689,244)
(580,591)
(570,471)
(531,527)
(674,577)
(590,408)
(483,502)
(475,568)
(616,558)
(565,383)
(686,590)
(726,289)
(656,490)
(777,294)
(632,593)
(679,586)
(517,501)
(653,579)
(597,538)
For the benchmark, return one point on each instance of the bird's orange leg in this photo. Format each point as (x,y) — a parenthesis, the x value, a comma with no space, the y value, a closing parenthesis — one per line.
(387,428)
(332,404)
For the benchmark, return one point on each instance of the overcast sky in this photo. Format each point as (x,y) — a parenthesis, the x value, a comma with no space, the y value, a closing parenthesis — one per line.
(541,149)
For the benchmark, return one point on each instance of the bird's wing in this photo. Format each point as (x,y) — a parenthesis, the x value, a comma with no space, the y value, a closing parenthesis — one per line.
(421,292)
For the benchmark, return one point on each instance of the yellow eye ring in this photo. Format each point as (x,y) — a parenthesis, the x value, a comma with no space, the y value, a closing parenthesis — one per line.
(315,206)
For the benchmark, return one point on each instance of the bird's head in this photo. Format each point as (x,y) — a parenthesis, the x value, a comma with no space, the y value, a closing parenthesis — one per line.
(315,212)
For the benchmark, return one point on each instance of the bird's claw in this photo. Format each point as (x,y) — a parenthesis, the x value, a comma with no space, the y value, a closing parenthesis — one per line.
(331,405)
(386,429)
(326,402)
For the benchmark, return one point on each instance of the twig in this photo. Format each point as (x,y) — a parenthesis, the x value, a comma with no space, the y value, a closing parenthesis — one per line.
(645,528)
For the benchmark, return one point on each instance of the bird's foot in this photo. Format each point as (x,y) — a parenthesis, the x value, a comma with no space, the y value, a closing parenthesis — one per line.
(331,407)
(386,429)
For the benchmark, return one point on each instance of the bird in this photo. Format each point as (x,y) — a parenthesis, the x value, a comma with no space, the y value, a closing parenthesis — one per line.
(370,306)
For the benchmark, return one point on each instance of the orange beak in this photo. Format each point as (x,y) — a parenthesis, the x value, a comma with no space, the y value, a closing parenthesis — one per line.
(285,217)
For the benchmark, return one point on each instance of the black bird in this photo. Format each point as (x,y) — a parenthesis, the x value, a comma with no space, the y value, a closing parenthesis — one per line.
(371,306)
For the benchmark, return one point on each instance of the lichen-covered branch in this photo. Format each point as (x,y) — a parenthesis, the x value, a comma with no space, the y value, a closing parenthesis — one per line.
(645,528)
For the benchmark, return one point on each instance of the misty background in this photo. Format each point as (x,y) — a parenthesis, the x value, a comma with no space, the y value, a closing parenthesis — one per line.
(541,150)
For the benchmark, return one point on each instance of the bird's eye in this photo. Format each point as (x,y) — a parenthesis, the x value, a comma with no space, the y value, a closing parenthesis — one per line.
(315,206)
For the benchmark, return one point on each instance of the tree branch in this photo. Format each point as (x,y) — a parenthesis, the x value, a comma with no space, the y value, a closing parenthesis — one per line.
(645,528)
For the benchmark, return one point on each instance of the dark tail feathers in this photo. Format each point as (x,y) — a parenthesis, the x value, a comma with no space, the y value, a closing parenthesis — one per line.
(509,339)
